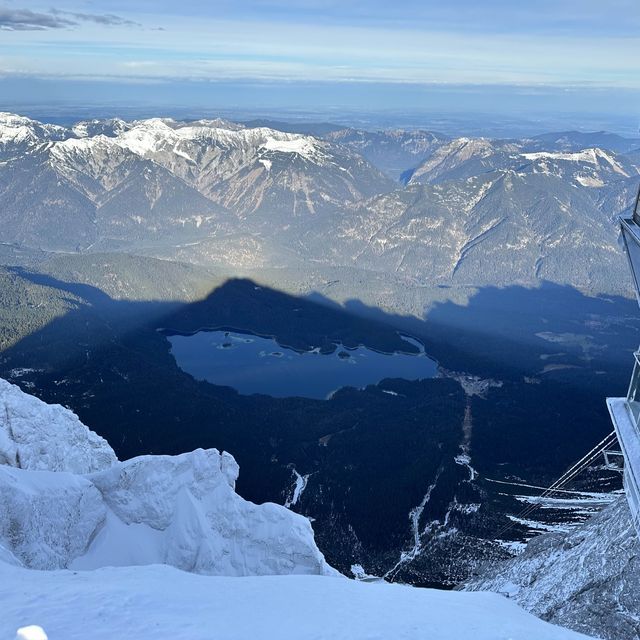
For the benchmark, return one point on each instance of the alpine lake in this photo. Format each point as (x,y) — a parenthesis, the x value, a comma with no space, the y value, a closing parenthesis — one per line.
(251,364)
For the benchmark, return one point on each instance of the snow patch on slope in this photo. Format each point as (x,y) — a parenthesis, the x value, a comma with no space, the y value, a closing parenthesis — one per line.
(299,485)
(302,146)
(416,535)
(590,181)
(32,632)
(589,156)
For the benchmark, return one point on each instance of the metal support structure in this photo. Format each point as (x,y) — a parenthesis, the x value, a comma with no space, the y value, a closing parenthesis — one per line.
(614,460)
(625,412)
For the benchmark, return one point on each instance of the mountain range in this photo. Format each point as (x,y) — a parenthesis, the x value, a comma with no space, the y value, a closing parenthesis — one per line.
(418,205)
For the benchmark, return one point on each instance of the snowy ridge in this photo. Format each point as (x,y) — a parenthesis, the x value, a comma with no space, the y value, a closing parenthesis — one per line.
(133,181)
(154,138)
(88,128)
(18,133)
(194,520)
(303,146)
(219,193)
(148,137)
(591,156)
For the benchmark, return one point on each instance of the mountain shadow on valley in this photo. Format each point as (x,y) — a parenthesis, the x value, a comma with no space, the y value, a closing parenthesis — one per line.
(367,458)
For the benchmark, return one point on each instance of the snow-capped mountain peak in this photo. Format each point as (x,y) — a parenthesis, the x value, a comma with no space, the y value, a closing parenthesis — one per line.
(19,133)
(594,156)
(119,182)
(90,128)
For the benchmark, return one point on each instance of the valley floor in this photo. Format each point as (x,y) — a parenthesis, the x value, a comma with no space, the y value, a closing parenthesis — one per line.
(164,603)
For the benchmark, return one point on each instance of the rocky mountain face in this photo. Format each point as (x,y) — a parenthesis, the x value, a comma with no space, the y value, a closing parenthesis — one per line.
(482,212)
(68,503)
(465,157)
(579,158)
(79,194)
(508,227)
(257,170)
(395,152)
(587,579)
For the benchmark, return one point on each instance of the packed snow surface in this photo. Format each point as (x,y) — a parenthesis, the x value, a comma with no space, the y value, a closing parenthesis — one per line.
(163,603)
(32,632)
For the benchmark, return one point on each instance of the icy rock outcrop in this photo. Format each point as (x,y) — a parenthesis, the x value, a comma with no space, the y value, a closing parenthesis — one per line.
(587,579)
(189,516)
(48,518)
(39,436)
(179,510)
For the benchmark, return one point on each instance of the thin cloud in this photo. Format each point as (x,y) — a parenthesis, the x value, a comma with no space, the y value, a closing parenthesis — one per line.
(27,20)
(107,19)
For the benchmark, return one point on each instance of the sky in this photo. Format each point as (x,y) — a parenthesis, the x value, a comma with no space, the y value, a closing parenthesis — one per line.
(570,55)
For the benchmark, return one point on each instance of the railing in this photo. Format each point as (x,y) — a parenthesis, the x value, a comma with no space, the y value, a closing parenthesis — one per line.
(626,426)
(633,499)
(627,422)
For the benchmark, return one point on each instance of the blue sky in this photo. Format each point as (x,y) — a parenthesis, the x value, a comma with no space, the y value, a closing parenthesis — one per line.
(502,46)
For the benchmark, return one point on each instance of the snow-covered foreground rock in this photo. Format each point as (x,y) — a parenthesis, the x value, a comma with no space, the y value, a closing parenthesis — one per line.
(587,579)
(177,510)
(163,603)
(39,436)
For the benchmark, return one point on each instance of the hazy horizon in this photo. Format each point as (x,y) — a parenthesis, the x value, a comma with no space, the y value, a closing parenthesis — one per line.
(549,66)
